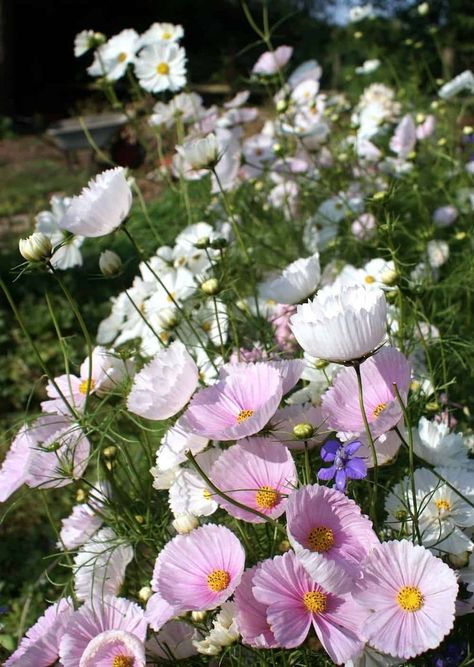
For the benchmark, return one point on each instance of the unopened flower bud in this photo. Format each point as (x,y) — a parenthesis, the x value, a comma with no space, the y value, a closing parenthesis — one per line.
(423,9)
(167,318)
(460,236)
(284,546)
(432,406)
(467,129)
(210,287)
(202,243)
(303,431)
(139,518)
(80,496)
(378,196)
(145,593)
(319,364)
(389,277)
(185,523)
(109,452)
(281,106)
(198,616)
(358,34)
(110,263)
(259,185)
(420,117)
(459,560)
(35,248)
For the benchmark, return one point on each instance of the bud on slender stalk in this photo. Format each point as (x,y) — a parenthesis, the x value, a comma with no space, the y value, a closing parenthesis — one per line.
(35,248)
(185,523)
(210,287)
(110,263)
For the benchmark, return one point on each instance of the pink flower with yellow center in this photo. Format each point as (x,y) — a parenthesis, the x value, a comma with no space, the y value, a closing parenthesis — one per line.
(195,572)
(258,473)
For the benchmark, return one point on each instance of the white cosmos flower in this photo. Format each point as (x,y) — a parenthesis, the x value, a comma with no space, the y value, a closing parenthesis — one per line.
(112,58)
(224,631)
(434,443)
(368,66)
(99,566)
(101,207)
(161,67)
(84,41)
(176,286)
(378,273)
(164,386)
(200,153)
(35,248)
(341,324)
(175,442)
(189,494)
(165,33)
(442,513)
(47,222)
(296,282)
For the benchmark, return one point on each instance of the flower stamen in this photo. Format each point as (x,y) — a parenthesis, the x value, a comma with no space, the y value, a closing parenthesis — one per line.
(321,539)
(315,602)
(410,598)
(218,580)
(244,415)
(267,498)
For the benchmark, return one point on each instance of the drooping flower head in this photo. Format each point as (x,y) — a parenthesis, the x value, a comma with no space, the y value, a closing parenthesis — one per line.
(94,618)
(341,323)
(101,207)
(287,426)
(296,282)
(326,527)
(174,640)
(257,472)
(237,406)
(409,597)
(164,386)
(272,61)
(195,572)
(295,601)
(345,464)
(341,407)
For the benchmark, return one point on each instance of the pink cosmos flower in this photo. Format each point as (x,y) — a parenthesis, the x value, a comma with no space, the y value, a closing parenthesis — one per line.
(40,645)
(236,407)
(257,472)
(252,615)
(341,403)
(100,376)
(295,601)
(326,528)
(92,619)
(114,647)
(409,596)
(164,386)
(50,452)
(79,526)
(364,226)
(194,572)
(290,371)
(271,61)
(427,128)
(404,138)
(285,420)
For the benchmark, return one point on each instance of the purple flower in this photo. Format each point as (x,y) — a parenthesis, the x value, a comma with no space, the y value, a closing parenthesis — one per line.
(344,464)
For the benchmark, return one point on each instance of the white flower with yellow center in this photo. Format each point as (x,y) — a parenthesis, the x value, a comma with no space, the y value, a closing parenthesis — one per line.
(164,33)
(112,58)
(161,67)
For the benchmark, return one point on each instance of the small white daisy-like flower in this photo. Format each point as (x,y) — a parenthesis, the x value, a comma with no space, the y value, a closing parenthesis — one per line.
(165,33)
(161,67)
(297,281)
(200,153)
(85,40)
(112,58)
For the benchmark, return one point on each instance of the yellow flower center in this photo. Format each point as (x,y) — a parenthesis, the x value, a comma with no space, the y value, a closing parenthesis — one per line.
(86,386)
(315,602)
(123,661)
(410,598)
(267,497)
(443,505)
(207,494)
(121,58)
(206,326)
(163,68)
(379,409)
(166,35)
(218,580)
(244,415)
(321,539)
(171,297)
(369,280)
